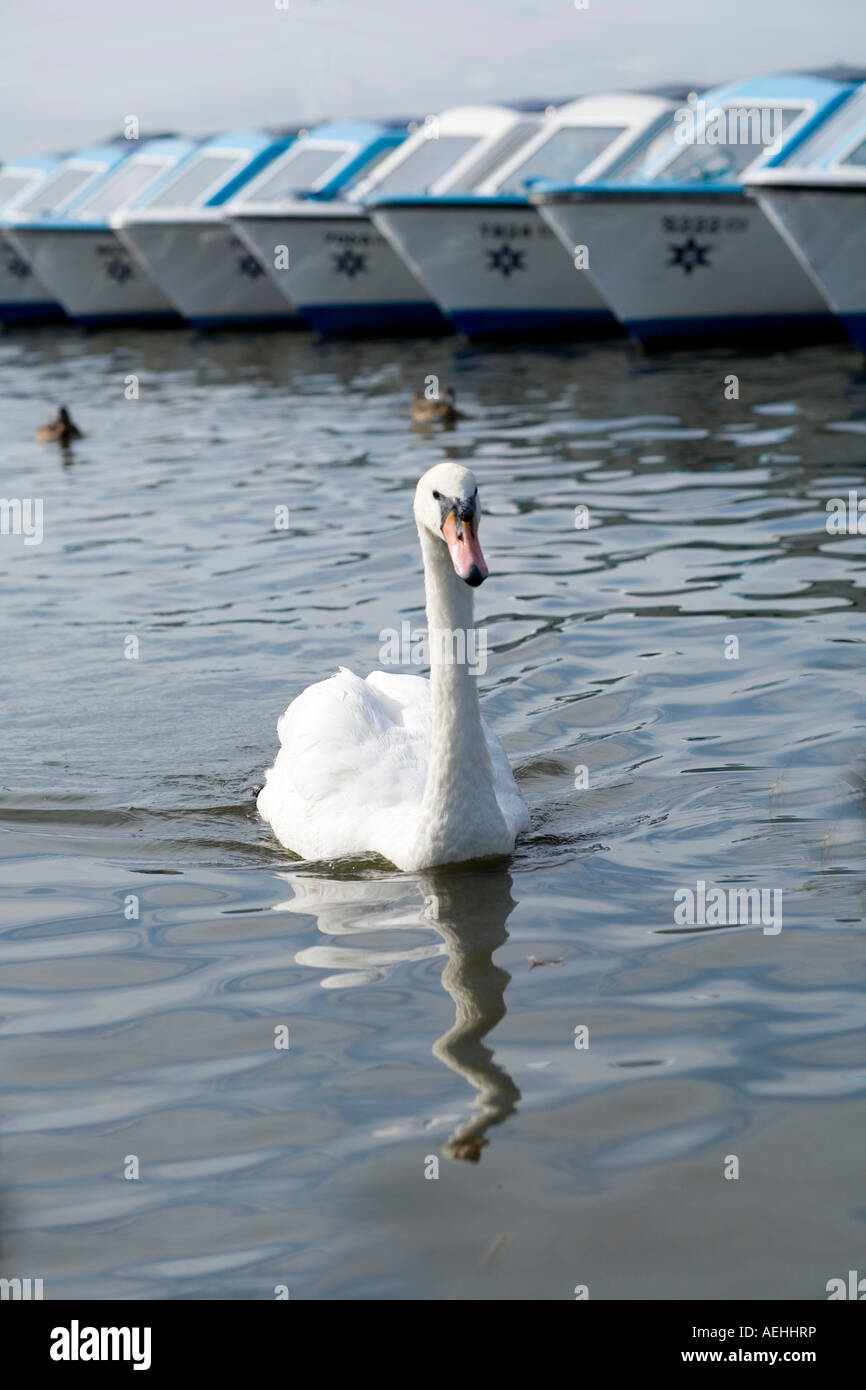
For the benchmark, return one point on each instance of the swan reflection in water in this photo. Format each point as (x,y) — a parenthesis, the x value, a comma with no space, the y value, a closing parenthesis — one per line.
(468,910)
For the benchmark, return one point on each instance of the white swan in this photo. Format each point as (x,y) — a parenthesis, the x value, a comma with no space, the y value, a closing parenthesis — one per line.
(399,765)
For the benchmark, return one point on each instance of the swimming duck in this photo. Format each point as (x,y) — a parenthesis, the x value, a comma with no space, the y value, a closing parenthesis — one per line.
(441,411)
(62,429)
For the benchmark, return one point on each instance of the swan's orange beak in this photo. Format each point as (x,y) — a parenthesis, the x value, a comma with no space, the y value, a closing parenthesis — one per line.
(462,540)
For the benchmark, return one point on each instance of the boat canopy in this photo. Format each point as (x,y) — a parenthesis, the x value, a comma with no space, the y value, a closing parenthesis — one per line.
(146,169)
(322,162)
(453,152)
(65,183)
(727,132)
(215,171)
(839,143)
(19,177)
(579,141)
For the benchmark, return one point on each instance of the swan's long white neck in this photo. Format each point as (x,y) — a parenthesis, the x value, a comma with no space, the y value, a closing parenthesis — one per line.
(459,792)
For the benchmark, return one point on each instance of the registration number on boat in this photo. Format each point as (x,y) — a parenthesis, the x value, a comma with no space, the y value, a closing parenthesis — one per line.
(704,224)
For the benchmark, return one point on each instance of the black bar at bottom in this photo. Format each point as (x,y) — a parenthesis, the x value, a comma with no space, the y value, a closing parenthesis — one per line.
(66,1338)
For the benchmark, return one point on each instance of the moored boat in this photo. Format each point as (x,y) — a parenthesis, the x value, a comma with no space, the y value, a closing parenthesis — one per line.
(490,262)
(272,214)
(679,248)
(78,255)
(343,274)
(816,200)
(181,236)
(51,186)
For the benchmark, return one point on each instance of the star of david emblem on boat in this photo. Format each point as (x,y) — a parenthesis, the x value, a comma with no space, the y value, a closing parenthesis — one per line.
(349,263)
(118,265)
(689,255)
(245,261)
(17,266)
(506,260)
(249,266)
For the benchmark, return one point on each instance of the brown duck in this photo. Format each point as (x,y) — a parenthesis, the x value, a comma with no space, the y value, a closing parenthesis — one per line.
(61,429)
(437,412)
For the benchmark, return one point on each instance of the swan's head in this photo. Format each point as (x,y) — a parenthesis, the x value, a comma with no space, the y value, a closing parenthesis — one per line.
(447,505)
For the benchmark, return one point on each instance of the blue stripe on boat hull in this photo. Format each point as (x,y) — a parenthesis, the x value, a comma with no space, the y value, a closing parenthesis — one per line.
(560,323)
(32,313)
(157,318)
(415,317)
(212,323)
(741,328)
(855,325)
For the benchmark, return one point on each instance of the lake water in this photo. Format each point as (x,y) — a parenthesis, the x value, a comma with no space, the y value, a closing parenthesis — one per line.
(698,650)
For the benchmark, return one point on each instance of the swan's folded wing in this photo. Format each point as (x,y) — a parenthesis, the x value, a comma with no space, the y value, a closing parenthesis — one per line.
(407,697)
(511,803)
(352,763)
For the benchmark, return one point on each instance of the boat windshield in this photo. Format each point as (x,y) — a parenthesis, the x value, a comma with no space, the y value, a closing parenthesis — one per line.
(563,156)
(297,172)
(732,138)
(12,185)
(56,190)
(822,148)
(500,152)
(367,170)
(427,164)
(199,180)
(857,155)
(122,186)
(644,156)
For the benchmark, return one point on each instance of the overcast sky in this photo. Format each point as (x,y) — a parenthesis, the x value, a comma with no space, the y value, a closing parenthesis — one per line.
(73,69)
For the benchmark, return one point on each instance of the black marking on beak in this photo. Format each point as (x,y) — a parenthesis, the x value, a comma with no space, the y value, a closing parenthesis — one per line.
(464,509)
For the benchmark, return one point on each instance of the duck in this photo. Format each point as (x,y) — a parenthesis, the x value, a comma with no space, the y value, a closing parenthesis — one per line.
(61,429)
(401,766)
(441,411)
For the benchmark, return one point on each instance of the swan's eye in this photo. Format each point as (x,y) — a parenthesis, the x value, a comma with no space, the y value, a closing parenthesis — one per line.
(437,495)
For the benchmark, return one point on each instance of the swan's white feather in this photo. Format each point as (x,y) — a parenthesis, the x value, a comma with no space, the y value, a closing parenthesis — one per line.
(350,773)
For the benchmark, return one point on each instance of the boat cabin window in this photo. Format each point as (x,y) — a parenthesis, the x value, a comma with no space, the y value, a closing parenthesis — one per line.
(199,180)
(747,135)
(297,172)
(428,162)
(123,185)
(831,143)
(857,155)
(505,148)
(367,170)
(563,156)
(12,185)
(635,166)
(56,190)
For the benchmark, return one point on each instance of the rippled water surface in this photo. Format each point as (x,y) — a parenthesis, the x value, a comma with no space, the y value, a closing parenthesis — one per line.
(154,935)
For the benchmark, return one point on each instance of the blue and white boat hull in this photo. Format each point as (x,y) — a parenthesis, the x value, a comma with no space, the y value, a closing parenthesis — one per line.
(205,271)
(93,276)
(689,266)
(24,297)
(340,272)
(494,269)
(825,226)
